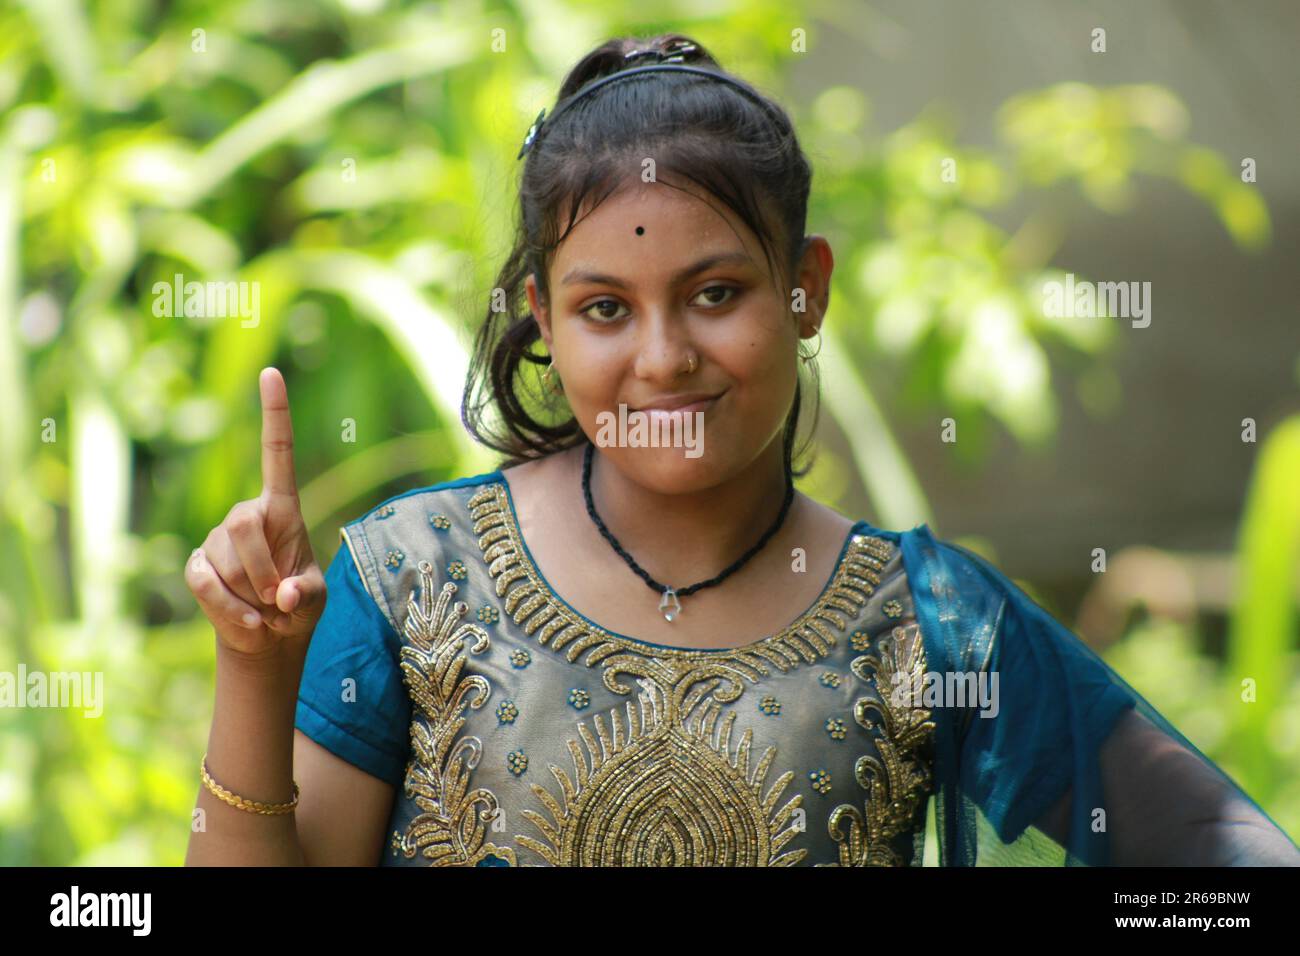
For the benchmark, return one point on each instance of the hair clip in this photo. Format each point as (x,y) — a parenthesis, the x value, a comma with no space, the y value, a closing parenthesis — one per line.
(532,133)
(675,52)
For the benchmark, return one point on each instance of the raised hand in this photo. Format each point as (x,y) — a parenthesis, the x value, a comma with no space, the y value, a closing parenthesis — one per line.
(255,576)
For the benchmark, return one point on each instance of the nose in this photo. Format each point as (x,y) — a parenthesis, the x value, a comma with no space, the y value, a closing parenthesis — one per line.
(664,346)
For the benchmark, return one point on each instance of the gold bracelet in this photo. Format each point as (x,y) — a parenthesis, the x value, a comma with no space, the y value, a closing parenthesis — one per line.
(252,806)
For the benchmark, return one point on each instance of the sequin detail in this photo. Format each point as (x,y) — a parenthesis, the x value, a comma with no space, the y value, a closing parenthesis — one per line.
(579,698)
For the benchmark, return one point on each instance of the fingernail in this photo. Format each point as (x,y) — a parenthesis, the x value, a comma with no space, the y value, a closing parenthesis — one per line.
(269,595)
(251,620)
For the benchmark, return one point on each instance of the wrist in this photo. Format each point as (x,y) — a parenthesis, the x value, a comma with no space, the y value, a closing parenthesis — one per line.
(281,660)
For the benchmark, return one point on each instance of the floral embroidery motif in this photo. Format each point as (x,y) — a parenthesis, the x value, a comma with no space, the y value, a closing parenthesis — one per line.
(507,712)
(393,559)
(440,521)
(859,640)
(770,706)
(899,778)
(830,679)
(488,614)
(517,762)
(893,608)
(450,829)
(520,658)
(579,698)
(457,570)
(835,727)
(385,511)
(821,780)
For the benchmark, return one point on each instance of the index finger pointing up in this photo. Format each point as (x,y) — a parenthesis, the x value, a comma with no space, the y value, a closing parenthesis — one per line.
(277,435)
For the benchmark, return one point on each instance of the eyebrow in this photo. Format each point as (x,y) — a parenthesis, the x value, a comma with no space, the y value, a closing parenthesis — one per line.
(708,262)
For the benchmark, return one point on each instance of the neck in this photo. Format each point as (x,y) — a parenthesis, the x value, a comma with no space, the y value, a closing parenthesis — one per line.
(680,539)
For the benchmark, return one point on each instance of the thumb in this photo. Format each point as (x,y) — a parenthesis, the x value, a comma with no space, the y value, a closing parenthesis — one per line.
(301,593)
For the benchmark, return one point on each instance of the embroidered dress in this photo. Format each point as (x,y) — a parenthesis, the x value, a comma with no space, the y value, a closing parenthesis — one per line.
(517,732)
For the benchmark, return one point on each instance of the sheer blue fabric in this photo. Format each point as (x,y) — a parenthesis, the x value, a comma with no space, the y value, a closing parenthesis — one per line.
(1075,767)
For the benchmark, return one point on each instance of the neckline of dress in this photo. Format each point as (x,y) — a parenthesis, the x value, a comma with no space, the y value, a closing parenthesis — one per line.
(853,547)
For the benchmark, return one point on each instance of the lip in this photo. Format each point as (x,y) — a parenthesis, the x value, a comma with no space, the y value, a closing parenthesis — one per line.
(688,403)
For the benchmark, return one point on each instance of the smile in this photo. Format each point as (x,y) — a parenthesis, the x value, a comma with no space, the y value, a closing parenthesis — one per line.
(672,406)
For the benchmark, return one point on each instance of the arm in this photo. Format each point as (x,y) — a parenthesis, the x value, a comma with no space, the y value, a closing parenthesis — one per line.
(257,581)
(1166,806)
(343,811)
(253,750)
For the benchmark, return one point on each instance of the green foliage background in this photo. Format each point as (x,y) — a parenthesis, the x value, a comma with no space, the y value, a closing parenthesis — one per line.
(140,139)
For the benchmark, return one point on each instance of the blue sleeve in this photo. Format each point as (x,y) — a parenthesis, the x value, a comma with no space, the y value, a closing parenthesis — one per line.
(352,700)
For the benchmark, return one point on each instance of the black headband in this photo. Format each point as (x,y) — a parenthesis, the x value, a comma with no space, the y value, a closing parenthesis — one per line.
(667,64)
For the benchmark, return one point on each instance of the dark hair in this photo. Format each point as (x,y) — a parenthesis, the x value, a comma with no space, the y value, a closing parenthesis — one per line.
(741,151)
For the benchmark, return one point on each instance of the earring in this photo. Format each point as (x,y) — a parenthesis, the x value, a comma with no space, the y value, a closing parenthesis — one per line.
(809,358)
(549,378)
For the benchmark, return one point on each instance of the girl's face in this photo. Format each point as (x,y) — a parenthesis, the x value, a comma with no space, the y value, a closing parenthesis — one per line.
(654,276)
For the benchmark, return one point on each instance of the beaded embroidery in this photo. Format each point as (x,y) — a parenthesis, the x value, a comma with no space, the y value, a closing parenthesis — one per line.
(450,831)
(899,778)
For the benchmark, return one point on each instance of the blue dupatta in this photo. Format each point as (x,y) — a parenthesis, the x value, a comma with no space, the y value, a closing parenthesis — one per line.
(1072,752)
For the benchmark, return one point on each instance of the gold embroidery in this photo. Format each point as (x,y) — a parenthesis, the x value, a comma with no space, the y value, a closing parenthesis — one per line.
(449,832)
(663,792)
(530,602)
(897,780)
(661,787)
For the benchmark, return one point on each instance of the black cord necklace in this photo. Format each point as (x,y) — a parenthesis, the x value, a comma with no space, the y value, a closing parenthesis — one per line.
(669,603)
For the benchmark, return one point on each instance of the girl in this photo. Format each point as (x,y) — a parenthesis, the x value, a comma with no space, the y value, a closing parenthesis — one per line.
(634,643)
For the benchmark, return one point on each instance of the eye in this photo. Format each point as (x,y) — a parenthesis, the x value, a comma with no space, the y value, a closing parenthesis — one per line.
(720,288)
(602,318)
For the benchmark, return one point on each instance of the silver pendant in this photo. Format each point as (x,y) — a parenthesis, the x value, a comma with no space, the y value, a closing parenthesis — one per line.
(669,604)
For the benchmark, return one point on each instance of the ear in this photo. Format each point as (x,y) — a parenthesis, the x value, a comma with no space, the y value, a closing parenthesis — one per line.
(814,277)
(540,312)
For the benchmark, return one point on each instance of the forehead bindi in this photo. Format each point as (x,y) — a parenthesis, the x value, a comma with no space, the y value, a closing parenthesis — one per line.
(652,234)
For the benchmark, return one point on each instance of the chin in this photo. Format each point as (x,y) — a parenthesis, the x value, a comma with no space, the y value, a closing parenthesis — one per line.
(670,471)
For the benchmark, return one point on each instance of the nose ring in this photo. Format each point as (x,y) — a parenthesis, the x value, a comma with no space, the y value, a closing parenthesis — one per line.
(690,364)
